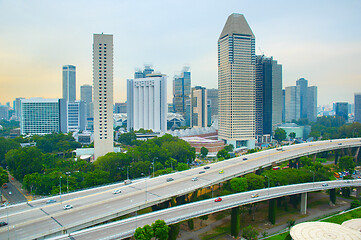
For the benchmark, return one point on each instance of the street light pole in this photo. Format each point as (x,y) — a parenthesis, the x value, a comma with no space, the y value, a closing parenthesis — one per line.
(67,184)
(60,187)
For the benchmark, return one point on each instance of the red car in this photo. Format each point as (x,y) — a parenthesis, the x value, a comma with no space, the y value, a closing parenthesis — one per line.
(218,199)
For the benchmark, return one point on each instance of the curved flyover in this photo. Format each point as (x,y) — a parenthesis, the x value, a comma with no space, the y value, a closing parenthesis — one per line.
(98,205)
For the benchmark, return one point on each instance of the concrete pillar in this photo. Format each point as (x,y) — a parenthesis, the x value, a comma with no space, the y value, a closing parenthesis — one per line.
(358,192)
(303,203)
(314,157)
(356,154)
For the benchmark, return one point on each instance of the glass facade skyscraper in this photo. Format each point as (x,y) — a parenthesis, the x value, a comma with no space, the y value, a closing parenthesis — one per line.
(182,91)
(236,83)
(69,83)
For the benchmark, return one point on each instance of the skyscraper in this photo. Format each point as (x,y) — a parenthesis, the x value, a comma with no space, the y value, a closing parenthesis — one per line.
(236,82)
(181,91)
(212,95)
(43,116)
(103,93)
(86,95)
(292,103)
(311,103)
(17,108)
(199,107)
(76,116)
(69,83)
(147,103)
(357,105)
(303,83)
(268,95)
(143,74)
(341,109)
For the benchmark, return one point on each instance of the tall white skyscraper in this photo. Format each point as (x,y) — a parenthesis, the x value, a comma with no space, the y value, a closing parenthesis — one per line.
(103,94)
(69,83)
(147,103)
(236,83)
(292,103)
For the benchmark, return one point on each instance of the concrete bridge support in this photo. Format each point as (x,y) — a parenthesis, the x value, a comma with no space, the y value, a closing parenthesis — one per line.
(314,157)
(303,203)
(358,192)
(356,154)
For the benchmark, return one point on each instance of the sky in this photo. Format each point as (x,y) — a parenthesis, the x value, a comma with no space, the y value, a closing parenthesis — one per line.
(318,40)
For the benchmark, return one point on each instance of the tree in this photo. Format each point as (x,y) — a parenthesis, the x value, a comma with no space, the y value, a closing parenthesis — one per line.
(204,152)
(144,233)
(290,223)
(254,181)
(160,230)
(5,146)
(250,233)
(127,138)
(223,154)
(355,204)
(229,148)
(3,176)
(346,163)
(280,134)
(182,167)
(239,184)
(292,135)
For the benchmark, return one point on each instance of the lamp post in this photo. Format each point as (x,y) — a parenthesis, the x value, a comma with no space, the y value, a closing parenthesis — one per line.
(146,186)
(268,183)
(60,187)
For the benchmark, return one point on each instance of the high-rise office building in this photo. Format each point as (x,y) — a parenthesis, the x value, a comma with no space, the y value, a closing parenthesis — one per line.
(212,95)
(292,103)
(76,116)
(148,69)
(147,103)
(303,83)
(341,109)
(357,105)
(199,107)
(4,112)
(86,95)
(17,108)
(268,95)
(103,93)
(120,107)
(181,91)
(311,103)
(69,83)
(236,83)
(43,116)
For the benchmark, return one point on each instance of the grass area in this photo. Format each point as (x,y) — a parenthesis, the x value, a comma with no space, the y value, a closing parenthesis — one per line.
(340,218)
(318,202)
(218,231)
(279,236)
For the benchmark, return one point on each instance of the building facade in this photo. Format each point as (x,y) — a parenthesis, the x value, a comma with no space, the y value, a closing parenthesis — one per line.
(199,107)
(120,107)
(357,105)
(69,83)
(181,91)
(341,110)
(43,116)
(212,95)
(76,116)
(103,93)
(292,103)
(4,112)
(236,83)
(86,95)
(147,103)
(268,95)
(303,85)
(311,103)
(148,69)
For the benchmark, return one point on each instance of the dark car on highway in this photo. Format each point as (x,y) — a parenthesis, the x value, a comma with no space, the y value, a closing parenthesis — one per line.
(3,224)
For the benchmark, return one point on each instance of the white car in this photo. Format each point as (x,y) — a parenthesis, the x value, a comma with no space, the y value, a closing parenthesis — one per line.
(117,191)
(66,207)
(254,195)
(194,179)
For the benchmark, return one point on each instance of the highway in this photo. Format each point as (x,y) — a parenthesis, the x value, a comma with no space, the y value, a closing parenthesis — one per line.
(125,228)
(90,207)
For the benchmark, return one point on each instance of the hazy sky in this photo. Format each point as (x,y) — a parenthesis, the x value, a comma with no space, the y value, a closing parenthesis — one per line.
(317,40)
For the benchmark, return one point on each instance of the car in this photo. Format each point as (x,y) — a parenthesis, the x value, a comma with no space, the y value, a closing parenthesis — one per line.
(117,191)
(4,204)
(218,199)
(347,181)
(51,201)
(169,179)
(221,171)
(3,224)
(66,207)
(255,195)
(194,179)
(340,144)
(244,159)
(202,172)
(207,167)
(324,185)
(10,193)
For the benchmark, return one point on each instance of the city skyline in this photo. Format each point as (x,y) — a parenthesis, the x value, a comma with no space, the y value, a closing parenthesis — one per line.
(303,40)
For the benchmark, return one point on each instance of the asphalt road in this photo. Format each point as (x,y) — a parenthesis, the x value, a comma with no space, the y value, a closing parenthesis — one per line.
(12,194)
(97,205)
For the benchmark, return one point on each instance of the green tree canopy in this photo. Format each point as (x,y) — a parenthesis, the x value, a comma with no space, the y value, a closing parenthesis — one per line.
(239,184)
(204,152)
(250,233)
(160,230)
(292,135)
(254,181)
(223,154)
(229,148)
(3,176)
(346,163)
(5,146)
(280,134)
